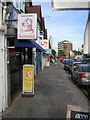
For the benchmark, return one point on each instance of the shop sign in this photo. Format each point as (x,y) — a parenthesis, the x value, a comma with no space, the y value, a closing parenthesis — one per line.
(48,51)
(75,112)
(77,115)
(44,44)
(70,4)
(27,26)
(28,79)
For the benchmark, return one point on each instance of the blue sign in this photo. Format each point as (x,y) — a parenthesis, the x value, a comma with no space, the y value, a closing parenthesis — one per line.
(48,51)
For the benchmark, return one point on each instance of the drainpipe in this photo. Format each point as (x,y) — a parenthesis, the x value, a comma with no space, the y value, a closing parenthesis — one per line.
(1,73)
(5,97)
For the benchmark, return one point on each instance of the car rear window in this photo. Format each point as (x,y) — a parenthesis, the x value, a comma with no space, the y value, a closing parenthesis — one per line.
(76,64)
(86,69)
(69,62)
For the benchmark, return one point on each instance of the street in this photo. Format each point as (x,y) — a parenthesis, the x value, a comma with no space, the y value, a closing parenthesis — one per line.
(54,90)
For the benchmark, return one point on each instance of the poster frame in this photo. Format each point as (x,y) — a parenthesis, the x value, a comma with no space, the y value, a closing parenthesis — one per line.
(24,92)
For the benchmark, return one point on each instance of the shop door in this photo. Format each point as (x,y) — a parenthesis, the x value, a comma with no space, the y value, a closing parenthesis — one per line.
(15,73)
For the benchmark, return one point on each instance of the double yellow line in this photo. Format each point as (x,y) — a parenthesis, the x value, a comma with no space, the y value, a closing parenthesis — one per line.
(85,91)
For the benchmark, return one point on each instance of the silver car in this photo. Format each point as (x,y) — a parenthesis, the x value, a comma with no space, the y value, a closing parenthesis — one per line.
(81,74)
(73,66)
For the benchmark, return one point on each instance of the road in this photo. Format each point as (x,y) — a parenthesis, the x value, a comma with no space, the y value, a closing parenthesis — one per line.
(54,90)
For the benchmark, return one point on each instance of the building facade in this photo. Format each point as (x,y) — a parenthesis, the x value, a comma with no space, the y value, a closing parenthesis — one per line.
(65,46)
(86,48)
(15,53)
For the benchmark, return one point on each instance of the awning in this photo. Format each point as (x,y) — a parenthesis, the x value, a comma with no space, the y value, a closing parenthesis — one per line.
(28,43)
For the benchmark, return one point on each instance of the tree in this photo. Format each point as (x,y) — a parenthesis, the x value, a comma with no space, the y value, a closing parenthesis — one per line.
(77,52)
(61,52)
(53,52)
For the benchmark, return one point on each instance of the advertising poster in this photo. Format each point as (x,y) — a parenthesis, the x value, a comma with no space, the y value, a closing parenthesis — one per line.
(28,79)
(44,44)
(27,26)
(71,54)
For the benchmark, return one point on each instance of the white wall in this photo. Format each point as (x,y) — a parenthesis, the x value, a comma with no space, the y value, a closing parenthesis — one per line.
(19,4)
(87,38)
(43,60)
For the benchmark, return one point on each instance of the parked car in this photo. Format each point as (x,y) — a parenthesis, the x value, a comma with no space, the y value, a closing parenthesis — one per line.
(73,66)
(84,60)
(67,63)
(81,74)
(88,60)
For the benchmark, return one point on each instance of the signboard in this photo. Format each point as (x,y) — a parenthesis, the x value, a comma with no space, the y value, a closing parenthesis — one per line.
(70,4)
(48,51)
(44,44)
(77,115)
(27,24)
(28,79)
(75,112)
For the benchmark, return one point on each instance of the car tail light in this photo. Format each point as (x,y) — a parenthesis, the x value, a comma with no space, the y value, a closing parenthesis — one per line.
(83,75)
(74,68)
(88,63)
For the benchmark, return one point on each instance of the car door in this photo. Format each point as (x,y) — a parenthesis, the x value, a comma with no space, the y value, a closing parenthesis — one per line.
(76,70)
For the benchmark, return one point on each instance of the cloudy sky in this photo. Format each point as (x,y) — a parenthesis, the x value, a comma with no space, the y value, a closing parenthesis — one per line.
(64,25)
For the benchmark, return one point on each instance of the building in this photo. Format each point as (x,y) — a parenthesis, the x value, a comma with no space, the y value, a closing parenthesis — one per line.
(86,49)
(65,46)
(14,53)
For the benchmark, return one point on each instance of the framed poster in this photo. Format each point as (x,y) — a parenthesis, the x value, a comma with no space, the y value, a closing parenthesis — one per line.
(28,79)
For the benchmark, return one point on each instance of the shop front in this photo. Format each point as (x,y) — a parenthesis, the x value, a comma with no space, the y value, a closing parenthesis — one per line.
(20,52)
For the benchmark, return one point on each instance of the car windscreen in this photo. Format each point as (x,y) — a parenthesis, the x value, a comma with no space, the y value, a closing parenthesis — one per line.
(86,69)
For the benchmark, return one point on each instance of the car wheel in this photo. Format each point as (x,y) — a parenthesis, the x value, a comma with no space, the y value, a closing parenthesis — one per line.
(64,68)
(72,77)
(78,83)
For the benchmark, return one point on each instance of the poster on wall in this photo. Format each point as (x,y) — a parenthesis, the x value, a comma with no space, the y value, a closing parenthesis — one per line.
(44,44)
(27,26)
(28,79)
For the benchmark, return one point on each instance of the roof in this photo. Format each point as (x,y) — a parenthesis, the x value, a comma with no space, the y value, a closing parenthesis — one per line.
(35,9)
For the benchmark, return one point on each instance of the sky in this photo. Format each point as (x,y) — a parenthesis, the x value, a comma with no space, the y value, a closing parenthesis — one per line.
(64,25)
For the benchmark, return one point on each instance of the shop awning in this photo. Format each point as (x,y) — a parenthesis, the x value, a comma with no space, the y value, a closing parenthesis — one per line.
(28,43)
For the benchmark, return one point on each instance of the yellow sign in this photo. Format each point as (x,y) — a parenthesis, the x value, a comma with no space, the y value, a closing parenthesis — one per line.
(28,78)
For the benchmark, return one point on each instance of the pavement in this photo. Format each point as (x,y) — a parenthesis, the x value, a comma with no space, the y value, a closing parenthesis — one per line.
(54,91)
